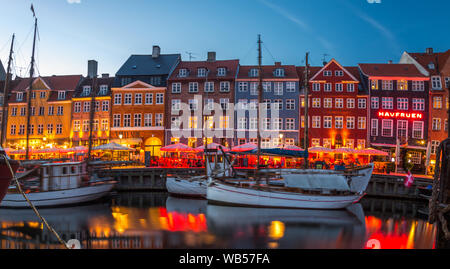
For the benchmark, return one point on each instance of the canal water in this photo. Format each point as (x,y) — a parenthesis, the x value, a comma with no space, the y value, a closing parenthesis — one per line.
(158,221)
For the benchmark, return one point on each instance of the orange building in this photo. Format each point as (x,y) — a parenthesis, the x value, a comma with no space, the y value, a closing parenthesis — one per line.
(138,117)
(81,112)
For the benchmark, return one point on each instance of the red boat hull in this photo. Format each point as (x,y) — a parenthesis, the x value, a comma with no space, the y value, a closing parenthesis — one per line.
(5,176)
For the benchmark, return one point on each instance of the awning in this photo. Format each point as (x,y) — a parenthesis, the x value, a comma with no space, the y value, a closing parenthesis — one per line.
(128,141)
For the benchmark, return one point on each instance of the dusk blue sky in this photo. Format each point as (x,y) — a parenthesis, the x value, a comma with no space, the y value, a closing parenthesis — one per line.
(71,32)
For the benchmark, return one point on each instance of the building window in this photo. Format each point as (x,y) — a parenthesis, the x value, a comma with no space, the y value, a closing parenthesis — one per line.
(14,111)
(159,119)
(21,129)
(253,124)
(327,122)
(361,143)
(316,121)
(339,73)
(182,73)
(224,86)
(61,95)
(339,87)
(59,128)
(362,103)
(105,125)
(253,88)
(86,91)
(76,126)
(327,73)
(127,120)
(42,95)
(193,104)
(328,102)
(278,88)
(116,120)
(418,86)
(41,111)
(402,103)
(267,86)
(350,87)
(149,98)
(50,128)
(417,130)
(277,124)
(51,110)
(224,103)
(266,124)
(436,83)
(128,99)
(327,143)
(13,130)
(277,104)
(201,72)
(176,87)
(387,103)
(60,111)
(386,128)
(85,125)
(221,71)
(316,102)
(374,127)
(350,143)
(374,84)
(77,107)
(327,87)
(148,120)
(339,122)
(176,105)
(290,124)
(350,103)
(361,123)
(103,89)
(350,122)
(434,146)
(290,104)
(375,102)
(279,72)
(418,104)
(86,106)
(242,123)
(19,96)
(224,122)
(105,106)
(339,103)
(193,87)
(243,86)
(402,85)
(436,124)
(160,98)
(387,85)
(316,87)
(137,120)
(402,129)
(118,99)
(437,102)
(254,72)
(209,86)
(290,86)
(138,99)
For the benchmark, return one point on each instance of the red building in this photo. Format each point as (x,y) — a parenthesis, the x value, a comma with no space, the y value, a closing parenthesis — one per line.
(338,108)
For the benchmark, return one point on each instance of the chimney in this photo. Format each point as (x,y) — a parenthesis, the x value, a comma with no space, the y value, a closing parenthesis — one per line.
(156,52)
(92,68)
(105,75)
(277,63)
(211,56)
(390,62)
(429,50)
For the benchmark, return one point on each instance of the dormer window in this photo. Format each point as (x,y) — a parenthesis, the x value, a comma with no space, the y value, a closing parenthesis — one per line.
(86,91)
(431,66)
(279,72)
(182,73)
(61,95)
(103,89)
(436,83)
(221,71)
(19,96)
(254,72)
(201,72)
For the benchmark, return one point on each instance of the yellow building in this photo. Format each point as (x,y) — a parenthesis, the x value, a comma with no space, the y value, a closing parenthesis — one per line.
(50,118)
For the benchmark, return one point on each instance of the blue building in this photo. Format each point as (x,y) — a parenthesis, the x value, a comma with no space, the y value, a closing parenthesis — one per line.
(280,97)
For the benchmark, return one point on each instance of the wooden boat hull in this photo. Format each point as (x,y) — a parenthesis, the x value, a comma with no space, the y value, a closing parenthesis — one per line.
(186,188)
(5,176)
(58,198)
(228,194)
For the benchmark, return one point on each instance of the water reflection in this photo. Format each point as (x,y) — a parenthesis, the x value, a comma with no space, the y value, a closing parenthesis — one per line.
(155,221)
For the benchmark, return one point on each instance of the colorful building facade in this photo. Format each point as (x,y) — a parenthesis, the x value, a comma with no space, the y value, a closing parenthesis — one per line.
(338,107)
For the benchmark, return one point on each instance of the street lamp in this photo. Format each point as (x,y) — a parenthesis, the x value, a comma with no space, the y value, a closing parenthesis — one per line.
(281,139)
(120,137)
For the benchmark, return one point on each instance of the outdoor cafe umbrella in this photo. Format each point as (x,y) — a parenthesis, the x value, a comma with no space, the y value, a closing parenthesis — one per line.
(371,151)
(178,147)
(75,149)
(291,147)
(244,147)
(211,146)
(344,150)
(113,147)
(320,150)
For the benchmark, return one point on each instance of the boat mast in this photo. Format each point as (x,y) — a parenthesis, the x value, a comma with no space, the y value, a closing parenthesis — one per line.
(5,97)
(205,144)
(306,122)
(27,153)
(259,102)
(92,113)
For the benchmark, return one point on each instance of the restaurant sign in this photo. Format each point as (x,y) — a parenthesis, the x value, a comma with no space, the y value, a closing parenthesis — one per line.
(400,115)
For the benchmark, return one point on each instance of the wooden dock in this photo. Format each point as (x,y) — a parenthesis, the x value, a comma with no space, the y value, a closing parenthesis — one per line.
(153,179)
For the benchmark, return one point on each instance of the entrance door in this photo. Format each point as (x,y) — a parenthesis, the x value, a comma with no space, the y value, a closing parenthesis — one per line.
(153,145)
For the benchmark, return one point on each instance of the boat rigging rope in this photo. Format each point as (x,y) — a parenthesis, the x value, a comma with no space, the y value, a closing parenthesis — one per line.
(33,207)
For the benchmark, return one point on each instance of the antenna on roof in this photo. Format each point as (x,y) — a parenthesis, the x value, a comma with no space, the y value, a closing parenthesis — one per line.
(324,58)
(190,55)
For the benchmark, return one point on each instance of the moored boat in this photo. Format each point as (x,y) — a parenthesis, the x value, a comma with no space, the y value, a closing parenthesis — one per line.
(5,173)
(58,184)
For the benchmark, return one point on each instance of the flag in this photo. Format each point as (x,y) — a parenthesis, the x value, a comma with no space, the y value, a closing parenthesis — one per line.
(32,10)
(409,180)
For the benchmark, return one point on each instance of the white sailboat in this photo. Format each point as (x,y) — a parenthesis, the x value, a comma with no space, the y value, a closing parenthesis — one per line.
(301,188)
